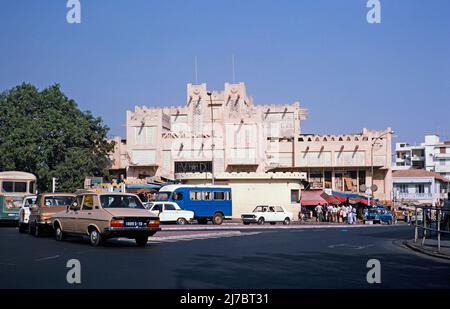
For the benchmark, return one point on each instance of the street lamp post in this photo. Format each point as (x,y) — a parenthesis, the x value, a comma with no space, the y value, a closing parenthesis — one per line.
(371,163)
(209,93)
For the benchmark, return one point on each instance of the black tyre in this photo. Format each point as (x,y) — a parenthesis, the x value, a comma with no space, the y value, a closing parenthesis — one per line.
(59,234)
(141,241)
(95,238)
(287,221)
(217,219)
(22,228)
(182,221)
(261,221)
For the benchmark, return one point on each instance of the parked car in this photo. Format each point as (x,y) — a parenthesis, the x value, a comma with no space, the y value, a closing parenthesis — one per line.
(47,204)
(170,212)
(24,212)
(106,215)
(379,215)
(271,214)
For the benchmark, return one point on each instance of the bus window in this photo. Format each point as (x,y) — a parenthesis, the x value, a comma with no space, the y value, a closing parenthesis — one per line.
(7,186)
(178,196)
(14,186)
(31,188)
(219,195)
(195,195)
(207,195)
(163,196)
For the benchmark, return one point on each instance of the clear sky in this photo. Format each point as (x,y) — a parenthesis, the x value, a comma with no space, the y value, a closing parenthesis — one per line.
(323,53)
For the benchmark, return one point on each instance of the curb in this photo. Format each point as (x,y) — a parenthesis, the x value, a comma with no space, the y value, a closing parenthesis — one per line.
(427,252)
(268,228)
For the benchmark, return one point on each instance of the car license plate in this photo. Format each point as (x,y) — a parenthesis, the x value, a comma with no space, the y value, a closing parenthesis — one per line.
(134,224)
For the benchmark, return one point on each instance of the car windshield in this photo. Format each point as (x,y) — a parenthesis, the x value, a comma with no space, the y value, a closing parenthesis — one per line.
(58,200)
(121,201)
(163,196)
(261,209)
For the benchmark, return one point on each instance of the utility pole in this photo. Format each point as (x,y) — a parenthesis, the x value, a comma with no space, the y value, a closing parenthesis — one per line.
(371,163)
(209,93)
(54,180)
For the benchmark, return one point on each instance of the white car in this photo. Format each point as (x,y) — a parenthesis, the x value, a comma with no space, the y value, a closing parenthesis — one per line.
(24,212)
(170,212)
(271,214)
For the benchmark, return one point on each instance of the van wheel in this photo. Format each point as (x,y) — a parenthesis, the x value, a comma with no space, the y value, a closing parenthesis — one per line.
(261,221)
(287,221)
(217,219)
(59,234)
(95,237)
(22,228)
(141,241)
(182,221)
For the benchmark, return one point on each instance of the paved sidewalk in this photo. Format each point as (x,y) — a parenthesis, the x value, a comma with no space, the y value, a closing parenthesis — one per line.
(430,247)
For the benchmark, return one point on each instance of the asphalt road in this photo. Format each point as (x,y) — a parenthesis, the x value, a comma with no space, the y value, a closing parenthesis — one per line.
(240,258)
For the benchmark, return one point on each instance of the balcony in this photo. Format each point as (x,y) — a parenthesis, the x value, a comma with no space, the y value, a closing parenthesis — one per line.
(442,155)
(418,158)
(415,196)
(442,168)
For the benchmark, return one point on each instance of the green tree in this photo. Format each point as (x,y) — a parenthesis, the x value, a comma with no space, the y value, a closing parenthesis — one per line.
(44,133)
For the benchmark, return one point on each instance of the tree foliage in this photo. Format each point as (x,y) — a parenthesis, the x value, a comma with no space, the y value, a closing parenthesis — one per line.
(44,133)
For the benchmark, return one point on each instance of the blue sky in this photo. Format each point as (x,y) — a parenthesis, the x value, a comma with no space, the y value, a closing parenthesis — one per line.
(323,53)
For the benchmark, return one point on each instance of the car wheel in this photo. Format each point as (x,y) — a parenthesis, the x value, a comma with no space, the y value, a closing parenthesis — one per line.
(95,237)
(261,221)
(141,241)
(22,228)
(59,234)
(287,221)
(182,221)
(217,219)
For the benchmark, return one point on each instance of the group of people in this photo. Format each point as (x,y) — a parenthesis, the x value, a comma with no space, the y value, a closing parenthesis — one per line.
(333,213)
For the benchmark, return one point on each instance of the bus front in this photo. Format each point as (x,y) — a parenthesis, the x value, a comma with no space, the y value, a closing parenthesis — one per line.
(11,197)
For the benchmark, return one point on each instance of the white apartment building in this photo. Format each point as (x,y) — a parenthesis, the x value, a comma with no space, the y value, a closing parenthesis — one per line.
(419,186)
(431,155)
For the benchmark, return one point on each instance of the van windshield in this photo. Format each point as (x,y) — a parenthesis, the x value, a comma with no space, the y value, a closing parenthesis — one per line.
(120,201)
(163,196)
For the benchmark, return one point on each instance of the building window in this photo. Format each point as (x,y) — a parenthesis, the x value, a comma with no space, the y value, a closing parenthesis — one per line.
(420,188)
(362,177)
(403,188)
(328,180)
(295,196)
(139,135)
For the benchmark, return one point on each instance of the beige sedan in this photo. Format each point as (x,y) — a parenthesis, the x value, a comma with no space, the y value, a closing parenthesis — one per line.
(106,215)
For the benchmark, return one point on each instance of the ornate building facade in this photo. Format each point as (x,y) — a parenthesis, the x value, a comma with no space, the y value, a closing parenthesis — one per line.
(226,132)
